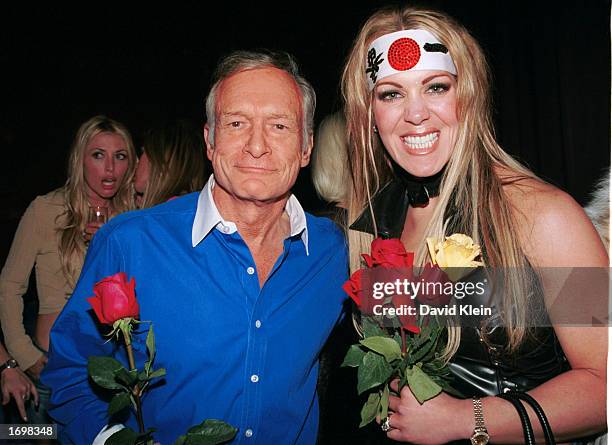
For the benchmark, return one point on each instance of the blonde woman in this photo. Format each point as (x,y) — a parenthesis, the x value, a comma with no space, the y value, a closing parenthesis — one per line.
(329,170)
(52,237)
(172,164)
(425,163)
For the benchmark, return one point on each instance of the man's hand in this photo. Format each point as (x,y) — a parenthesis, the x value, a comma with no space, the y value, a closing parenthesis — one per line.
(16,384)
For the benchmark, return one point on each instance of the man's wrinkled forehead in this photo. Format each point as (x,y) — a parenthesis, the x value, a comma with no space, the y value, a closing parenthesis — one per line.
(266,88)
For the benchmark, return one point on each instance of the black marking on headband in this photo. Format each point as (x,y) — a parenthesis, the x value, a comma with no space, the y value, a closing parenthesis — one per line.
(435,48)
(374,61)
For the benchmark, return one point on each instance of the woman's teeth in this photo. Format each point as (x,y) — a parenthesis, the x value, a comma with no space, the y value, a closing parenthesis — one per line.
(420,142)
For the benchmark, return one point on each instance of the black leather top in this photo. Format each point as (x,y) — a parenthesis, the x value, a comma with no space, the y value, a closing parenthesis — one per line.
(480,367)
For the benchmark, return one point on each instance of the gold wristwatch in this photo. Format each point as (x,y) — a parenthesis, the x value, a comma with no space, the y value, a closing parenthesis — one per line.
(480,435)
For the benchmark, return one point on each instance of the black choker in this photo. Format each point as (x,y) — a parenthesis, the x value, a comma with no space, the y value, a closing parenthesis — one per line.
(419,190)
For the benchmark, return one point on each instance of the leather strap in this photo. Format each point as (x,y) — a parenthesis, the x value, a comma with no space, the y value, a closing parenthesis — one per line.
(522,412)
(548,434)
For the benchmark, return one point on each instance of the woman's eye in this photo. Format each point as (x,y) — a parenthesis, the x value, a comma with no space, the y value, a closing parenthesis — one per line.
(438,88)
(388,95)
(97,155)
(121,156)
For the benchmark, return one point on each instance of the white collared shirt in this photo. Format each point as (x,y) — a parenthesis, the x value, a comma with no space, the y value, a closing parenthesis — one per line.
(207,217)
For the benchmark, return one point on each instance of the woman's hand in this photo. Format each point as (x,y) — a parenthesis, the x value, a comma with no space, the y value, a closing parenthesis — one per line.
(439,420)
(35,370)
(90,230)
(17,385)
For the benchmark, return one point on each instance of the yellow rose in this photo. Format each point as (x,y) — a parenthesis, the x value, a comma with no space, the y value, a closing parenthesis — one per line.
(456,255)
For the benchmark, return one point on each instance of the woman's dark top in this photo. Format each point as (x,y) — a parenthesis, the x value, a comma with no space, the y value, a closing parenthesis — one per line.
(482,366)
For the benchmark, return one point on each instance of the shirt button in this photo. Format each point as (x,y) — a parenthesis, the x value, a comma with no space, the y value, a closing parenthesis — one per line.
(250,270)
(257,324)
(225,229)
(254,378)
(248,433)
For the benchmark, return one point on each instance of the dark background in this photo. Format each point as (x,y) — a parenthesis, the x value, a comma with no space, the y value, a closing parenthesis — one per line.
(550,61)
(60,66)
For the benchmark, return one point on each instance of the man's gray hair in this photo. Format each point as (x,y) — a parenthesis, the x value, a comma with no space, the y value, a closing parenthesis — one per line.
(249,60)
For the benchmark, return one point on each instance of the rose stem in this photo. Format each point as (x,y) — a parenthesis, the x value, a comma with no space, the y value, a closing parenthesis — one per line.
(135,391)
(403,335)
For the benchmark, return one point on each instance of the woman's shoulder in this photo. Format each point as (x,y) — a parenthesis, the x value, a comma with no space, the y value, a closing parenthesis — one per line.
(547,219)
(52,203)
(54,197)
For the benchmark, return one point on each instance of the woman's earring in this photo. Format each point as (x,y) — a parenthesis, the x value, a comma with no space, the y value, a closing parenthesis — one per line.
(375,128)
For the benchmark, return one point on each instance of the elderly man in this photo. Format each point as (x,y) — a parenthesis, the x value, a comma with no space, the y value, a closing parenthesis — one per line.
(242,286)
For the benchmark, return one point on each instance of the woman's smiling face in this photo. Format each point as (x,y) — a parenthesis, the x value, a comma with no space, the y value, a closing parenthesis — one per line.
(416,116)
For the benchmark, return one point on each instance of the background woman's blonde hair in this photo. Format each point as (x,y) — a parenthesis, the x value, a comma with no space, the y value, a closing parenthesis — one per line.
(176,162)
(472,199)
(74,219)
(330,170)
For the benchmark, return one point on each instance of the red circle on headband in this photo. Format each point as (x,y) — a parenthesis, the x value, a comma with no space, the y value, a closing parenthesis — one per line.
(403,54)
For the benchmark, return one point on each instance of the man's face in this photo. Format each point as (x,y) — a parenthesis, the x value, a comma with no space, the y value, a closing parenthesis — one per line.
(257,151)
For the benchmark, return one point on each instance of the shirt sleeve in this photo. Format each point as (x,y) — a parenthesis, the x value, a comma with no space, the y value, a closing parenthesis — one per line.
(14,284)
(75,336)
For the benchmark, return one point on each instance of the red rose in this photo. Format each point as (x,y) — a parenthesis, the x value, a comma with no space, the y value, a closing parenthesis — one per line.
(354,288)
(114,299)
(390,253)
(434,279)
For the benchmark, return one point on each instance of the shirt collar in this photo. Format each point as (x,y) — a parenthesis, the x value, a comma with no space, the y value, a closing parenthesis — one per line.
(207,217)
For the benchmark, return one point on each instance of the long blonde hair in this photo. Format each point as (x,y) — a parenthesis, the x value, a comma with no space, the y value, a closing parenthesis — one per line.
(470,186)
(73,221)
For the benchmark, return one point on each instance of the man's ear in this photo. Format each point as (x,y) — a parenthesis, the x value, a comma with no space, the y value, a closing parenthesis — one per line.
(305,154)
(207,141)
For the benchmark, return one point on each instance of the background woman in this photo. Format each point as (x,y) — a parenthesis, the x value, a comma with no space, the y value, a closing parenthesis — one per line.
(53,234)
(425,164)
(172,164)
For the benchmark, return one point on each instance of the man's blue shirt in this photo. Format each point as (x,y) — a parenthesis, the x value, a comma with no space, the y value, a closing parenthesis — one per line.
(232,350)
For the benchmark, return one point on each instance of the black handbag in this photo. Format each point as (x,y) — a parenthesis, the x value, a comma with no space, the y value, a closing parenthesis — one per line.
(515,398)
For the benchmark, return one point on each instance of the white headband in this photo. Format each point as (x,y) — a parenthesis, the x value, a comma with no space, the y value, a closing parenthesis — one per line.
(400,51)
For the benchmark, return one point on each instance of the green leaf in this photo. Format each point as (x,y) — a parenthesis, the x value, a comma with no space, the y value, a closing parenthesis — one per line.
(157,373)
(126,436)
(181,440)
(353,357)
(102,371)
(374,371)
(398,340)
(128,378)
(210,432)
(421,385)
(150,349)
(370,409)
(425,345)
(384,402)
(383,345)
(371,328)
(118,402)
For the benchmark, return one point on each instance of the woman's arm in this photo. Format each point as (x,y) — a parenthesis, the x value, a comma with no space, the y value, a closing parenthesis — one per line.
(14,283)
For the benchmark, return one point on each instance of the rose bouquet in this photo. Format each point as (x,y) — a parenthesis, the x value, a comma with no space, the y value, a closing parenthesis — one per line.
(399,340)
(114,303)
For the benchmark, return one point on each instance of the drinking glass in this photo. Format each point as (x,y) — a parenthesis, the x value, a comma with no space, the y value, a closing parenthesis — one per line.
(98,214)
